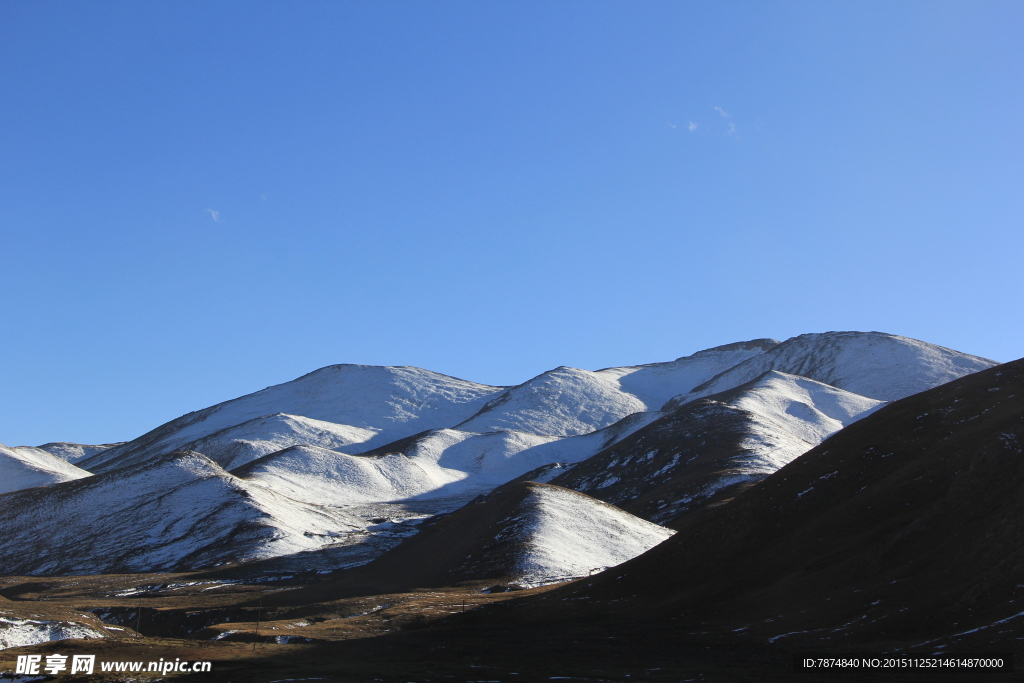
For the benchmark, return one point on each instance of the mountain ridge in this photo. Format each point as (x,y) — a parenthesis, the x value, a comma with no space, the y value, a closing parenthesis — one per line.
(347,445)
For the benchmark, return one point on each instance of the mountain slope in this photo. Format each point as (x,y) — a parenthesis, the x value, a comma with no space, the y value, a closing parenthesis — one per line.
(873,364)
(24,467)
(175,512)
(560,402)
(569,401)
(310,473)
(713,447)
(905,527)
(597,432)
(528,533)
(655,383)
(392,401)
(902,533)
(239,444)
(441,463)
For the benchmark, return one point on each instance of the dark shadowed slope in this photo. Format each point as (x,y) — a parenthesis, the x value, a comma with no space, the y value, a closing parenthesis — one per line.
(908,525)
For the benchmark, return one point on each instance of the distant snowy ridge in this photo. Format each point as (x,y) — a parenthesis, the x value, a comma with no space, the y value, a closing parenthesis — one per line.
(73,452)
(391,402)
(24,467)
(882,366)
(435,464)
(808,412)
(569,401)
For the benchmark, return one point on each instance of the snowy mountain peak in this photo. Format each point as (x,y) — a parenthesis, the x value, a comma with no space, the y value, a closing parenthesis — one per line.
(392,401)
(873,364)
(566,534)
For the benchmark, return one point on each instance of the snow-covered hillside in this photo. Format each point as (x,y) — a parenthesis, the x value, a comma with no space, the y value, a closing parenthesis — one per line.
(568,401)
(310,473)
(313,462)
(526,533)
(441,463)
(24,467)
(873,364)
(564,534)
(805,411)
(178,511)
(239,444)
(392,402)
(706,446)
(655,383)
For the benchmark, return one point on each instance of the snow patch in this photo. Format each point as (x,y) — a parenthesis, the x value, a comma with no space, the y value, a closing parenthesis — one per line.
(23,632)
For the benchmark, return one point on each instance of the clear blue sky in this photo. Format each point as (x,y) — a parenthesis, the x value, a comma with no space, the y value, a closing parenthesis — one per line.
(200,199)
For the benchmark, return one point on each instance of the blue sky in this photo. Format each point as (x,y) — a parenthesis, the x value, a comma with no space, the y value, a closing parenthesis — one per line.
(201,199)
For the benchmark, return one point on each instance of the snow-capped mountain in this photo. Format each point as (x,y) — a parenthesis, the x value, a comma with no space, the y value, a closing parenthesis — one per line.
(560,534)
(24,467)
(390,402)
(314,461)
(873,364)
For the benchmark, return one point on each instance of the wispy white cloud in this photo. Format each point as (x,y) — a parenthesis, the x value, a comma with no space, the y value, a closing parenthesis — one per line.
(731,130)
(721,112)
(692,127)
(672,125)
(215,215)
